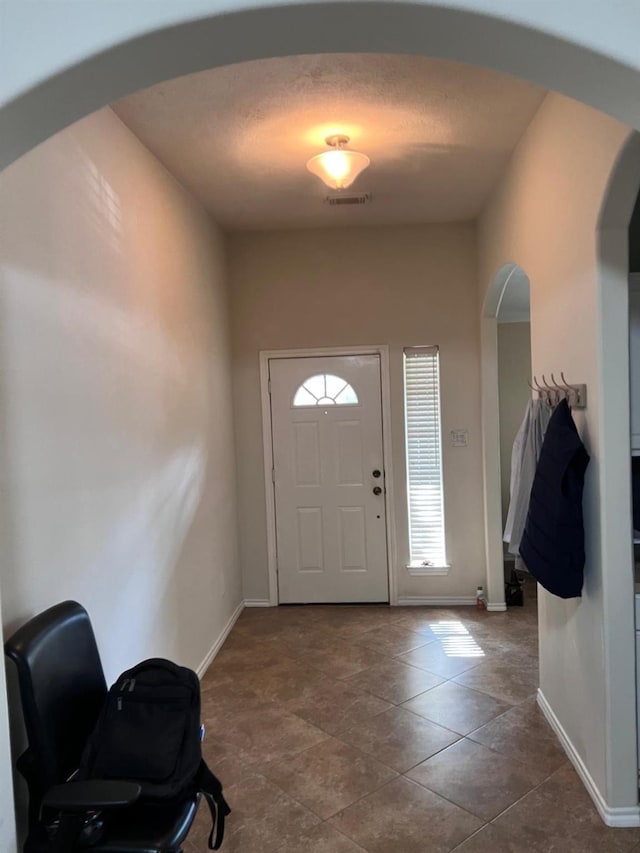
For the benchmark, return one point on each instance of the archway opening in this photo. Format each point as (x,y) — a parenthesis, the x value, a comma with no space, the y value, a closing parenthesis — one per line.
(513,319)
(89,103)
(104,58)
(506,370)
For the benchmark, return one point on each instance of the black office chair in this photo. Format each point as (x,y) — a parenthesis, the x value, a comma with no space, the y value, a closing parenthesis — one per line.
(62,688)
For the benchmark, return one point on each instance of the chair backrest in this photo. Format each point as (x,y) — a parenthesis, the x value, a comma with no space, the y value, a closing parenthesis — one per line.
(62,688)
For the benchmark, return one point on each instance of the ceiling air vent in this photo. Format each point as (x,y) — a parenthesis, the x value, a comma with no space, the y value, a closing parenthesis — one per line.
(344,199)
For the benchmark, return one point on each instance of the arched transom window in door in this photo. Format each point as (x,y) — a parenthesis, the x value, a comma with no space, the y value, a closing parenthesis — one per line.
(325,389)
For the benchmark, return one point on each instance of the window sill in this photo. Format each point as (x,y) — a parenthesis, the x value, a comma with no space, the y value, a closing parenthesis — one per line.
(418,570)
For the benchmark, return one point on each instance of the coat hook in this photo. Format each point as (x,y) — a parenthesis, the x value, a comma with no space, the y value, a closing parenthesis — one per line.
(559,389)
(575,395)
(552,393)
(567,389)
(574,390)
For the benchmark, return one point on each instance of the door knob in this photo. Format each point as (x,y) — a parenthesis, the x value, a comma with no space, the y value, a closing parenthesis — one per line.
(376,473)
(377,490)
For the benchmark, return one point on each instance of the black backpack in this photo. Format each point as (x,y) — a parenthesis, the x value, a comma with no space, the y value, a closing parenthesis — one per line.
(149,731)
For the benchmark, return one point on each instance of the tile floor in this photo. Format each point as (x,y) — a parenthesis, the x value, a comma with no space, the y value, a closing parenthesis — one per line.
(343,729)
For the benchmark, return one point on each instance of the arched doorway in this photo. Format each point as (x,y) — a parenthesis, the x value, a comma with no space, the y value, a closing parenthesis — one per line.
(115,67)
(103,57)
(615,477)
(509,277)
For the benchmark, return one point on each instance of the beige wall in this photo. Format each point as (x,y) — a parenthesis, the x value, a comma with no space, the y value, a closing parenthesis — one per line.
(396,286)
(514,370)
(544,217)
(117,451)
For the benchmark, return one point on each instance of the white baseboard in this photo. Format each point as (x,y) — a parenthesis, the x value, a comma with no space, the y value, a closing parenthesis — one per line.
(435,601)
(496,608)
(257,602)
(215,648)
(624,816)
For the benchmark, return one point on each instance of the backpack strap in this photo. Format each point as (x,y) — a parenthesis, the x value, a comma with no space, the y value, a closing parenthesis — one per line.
(210,785)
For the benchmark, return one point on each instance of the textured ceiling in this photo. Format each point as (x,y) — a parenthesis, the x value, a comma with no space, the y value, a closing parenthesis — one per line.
(438,135)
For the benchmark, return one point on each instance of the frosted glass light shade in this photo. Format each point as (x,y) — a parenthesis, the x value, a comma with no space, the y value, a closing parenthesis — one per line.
(338,168)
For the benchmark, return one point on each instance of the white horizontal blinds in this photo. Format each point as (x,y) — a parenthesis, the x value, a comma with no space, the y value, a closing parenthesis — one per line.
(424,455)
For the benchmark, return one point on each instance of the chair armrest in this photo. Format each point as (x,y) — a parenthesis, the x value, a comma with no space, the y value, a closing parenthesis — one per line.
(92,795)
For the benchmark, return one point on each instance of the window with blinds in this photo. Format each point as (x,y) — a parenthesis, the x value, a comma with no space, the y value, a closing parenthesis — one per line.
(424,456)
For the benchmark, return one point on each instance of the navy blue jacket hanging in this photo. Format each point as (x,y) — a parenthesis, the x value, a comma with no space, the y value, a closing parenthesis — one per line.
(552,545)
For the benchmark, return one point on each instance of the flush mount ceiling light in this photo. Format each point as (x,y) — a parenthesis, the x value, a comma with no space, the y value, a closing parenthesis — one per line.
(339,167)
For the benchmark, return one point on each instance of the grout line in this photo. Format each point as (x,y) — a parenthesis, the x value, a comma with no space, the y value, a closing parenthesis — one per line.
(344,808)
(457,805)
(535,788)
(393,656)
(485,822)
(500,755)
(473,814)
(498,716)
(433,755)
(364,796)
(335,734)
(469,837)
(290,797)
(343,834)
(491,696)
(432,722)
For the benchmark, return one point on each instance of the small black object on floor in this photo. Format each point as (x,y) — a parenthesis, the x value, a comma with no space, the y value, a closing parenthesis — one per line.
(513,594)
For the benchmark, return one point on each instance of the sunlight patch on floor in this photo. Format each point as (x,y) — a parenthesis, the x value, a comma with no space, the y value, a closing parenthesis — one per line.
(455,640)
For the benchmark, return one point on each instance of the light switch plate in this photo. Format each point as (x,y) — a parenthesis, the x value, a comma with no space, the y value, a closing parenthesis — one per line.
(459,437)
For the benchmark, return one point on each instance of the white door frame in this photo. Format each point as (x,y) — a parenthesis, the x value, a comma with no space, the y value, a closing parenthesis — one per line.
(267,443)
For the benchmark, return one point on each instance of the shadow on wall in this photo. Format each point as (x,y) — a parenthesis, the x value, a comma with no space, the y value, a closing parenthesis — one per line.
(9,557)
(116,449)
(634,238)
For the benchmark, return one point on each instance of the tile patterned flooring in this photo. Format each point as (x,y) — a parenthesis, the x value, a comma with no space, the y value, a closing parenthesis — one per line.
(343,729)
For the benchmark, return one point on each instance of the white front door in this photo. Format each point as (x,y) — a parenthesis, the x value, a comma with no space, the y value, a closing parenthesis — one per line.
(329,479)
